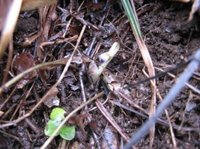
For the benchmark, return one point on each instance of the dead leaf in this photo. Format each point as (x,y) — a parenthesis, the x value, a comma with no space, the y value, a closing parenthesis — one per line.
(52,98)
(79,120)
(21,63)
(52,101)
(74,29)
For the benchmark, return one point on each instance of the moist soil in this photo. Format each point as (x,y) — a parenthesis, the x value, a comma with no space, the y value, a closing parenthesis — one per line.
(171,41)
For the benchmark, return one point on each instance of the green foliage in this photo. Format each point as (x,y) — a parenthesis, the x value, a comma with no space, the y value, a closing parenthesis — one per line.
(132,16)
(57,114)
(50,127)
(67,132)
(56,117)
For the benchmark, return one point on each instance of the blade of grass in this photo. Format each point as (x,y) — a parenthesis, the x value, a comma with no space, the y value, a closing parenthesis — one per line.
(132,16)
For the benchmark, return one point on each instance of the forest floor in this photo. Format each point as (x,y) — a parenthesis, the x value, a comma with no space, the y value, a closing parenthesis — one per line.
(170,39)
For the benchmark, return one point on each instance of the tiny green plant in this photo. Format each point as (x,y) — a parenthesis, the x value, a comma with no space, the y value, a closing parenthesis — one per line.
(56,117)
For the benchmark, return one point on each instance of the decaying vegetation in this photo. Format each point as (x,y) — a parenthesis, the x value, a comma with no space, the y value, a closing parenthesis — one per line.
(92,59)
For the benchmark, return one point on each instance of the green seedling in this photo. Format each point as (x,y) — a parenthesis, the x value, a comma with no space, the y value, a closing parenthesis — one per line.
(57,114)
(67,132)
(56,117)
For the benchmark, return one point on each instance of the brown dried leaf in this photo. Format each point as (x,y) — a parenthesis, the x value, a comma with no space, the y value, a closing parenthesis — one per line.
(52,101)
(21,63)
(79,120)
(74,29)
(52,98)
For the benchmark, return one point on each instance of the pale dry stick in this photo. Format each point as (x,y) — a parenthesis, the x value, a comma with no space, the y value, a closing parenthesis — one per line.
(15,110)
(187,84)
(46,15)
(111,120)
(160,121)
(14,122)
(36,129)
(195,8)
(24,97)
(190,97)
(184,1)
(168,118)
(11,136)
(47,142)
(107,99)
(70,58)
(52,89)
(8,98)
(9,61)
(9,25)
(67,26)
(6,113)
(29,40)
(70,20)
(42,45)
(81,73)
(63,144)
(82,83)
(170,124)
(148,62)
(129,100)
(21,75)
(130,69)
(12,16)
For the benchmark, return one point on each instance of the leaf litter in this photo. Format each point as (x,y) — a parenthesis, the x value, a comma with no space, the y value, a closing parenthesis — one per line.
(169,39)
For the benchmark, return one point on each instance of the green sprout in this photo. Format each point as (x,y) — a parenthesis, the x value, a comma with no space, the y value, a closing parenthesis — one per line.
(56,117)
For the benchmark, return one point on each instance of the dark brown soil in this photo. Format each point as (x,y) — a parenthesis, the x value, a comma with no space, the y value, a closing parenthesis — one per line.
(170,39)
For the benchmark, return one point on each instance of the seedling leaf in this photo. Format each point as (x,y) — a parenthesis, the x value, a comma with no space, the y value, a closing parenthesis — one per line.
(57,114)
(51,127)
(67,132)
